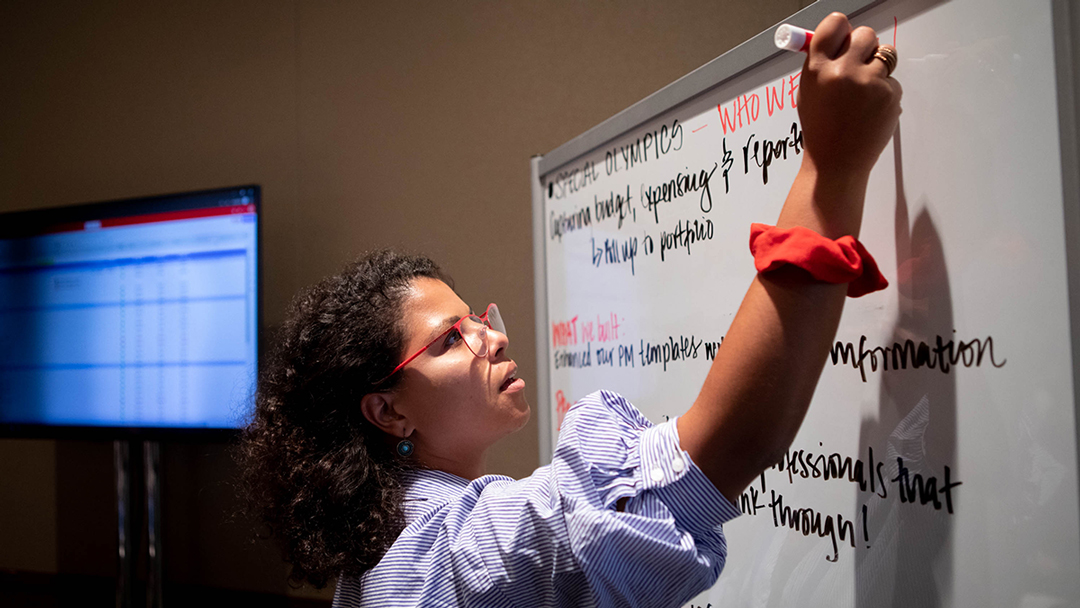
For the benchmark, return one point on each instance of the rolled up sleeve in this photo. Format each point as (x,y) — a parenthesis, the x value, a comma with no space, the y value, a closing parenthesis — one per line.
(667,545)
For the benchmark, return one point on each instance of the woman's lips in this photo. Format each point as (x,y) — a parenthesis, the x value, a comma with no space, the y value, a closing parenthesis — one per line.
(512,385)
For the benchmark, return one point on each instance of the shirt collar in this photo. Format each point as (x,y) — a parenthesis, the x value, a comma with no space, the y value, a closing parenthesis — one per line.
(433,486)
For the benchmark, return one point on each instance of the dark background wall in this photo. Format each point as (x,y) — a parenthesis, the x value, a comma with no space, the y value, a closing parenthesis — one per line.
(367,124)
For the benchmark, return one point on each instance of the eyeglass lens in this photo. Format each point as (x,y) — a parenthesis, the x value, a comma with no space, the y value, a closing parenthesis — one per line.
(474,330)
(495,319)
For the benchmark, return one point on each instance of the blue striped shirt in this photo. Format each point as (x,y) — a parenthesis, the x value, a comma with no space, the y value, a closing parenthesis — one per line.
(556,538)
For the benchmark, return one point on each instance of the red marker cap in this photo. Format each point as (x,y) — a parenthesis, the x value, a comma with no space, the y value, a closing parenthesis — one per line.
(793,38)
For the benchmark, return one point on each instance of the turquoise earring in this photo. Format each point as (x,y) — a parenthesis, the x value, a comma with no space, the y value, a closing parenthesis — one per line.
(405,448)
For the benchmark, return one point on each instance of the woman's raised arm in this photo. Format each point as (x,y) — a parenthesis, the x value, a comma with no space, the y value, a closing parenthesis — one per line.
(760,384)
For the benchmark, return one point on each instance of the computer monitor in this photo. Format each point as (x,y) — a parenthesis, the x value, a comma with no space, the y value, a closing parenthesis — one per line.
(132,316)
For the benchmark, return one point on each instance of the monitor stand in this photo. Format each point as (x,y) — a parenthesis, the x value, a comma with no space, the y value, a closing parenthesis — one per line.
(129,513)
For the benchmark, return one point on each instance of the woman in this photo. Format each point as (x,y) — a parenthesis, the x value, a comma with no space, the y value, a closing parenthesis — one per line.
(366,453)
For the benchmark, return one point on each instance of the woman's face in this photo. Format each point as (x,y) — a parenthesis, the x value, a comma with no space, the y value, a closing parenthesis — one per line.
(459,403)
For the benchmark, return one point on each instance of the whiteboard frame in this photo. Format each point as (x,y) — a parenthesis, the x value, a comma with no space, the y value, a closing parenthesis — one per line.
(731,64)
(1066,16)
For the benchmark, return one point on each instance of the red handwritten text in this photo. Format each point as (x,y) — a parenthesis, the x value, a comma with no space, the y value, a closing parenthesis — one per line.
(573,332)
(608,330)
(745,110)
(564,333)
(561,406)
(787,92)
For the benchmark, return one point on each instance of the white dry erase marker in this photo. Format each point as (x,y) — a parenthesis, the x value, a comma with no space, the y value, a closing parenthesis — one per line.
(793,38)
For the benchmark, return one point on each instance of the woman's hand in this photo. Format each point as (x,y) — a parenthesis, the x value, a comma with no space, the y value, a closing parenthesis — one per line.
(848,104)
(849,108)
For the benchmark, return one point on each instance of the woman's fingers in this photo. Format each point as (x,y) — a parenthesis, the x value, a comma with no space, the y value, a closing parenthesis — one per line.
(835,39)
(864,42)
(897,94)
(831,36)
(898,91)
(884,66)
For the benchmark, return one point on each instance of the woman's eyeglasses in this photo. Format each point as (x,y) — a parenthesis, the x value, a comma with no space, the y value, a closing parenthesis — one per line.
(470,329)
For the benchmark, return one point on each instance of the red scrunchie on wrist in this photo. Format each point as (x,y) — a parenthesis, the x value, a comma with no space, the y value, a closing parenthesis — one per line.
(844,260)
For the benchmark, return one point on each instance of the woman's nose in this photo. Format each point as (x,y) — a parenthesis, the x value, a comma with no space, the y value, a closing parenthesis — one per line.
(497,343)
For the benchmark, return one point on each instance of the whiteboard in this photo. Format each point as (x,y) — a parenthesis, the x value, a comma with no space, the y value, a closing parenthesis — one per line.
(937,465)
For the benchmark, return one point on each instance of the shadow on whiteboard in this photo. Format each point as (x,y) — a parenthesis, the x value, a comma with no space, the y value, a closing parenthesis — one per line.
(907,559)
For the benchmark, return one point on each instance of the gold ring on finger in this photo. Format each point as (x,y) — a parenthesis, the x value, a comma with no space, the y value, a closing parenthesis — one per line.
(887,54)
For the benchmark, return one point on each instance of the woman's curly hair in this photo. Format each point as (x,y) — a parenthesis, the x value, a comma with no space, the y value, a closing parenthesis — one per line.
(314,470)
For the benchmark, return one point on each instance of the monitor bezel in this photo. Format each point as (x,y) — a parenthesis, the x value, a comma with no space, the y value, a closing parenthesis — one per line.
(30,222)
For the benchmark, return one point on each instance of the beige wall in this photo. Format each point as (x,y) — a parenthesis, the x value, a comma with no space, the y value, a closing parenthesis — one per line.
(367,124)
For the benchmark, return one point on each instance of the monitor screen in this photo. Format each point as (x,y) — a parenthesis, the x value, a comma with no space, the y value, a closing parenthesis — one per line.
(135,314)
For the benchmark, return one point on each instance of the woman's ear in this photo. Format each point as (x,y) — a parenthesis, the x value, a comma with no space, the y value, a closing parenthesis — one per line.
(378,408)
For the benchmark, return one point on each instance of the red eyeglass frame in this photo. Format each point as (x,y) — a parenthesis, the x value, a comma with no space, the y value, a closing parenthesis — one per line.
(457,326)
